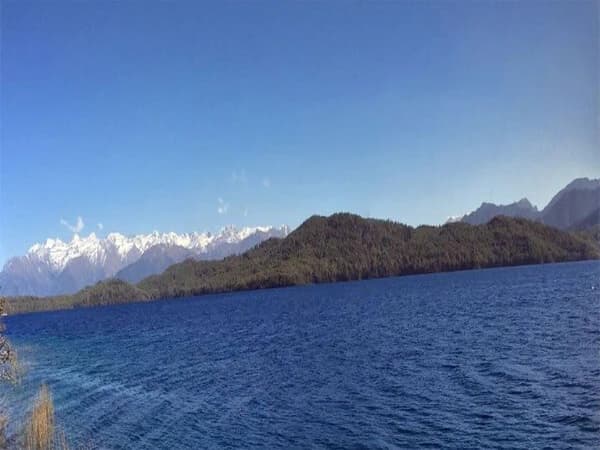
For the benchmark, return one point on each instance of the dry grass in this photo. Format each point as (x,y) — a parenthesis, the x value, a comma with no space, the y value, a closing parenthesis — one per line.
(39,428)
(3,434)
(40,431)
(60,441)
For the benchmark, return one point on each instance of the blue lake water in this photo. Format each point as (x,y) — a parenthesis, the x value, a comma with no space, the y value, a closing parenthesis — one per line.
(500,358)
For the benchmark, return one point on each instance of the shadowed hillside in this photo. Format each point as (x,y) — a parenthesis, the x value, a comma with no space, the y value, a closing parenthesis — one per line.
(345,247)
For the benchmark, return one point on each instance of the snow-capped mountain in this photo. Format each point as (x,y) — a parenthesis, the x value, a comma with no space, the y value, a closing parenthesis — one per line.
(57,267)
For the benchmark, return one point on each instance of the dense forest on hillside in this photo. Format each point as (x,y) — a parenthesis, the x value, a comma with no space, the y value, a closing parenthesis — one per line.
(344,247)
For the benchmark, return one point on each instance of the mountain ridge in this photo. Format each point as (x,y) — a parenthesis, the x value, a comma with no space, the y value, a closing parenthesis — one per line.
(343,247)
(487,211)
(567,208)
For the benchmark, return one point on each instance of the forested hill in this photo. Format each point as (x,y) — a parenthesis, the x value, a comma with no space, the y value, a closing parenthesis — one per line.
(344,247)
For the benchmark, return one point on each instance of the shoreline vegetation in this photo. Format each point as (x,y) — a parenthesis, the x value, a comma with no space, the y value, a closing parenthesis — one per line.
(342,247)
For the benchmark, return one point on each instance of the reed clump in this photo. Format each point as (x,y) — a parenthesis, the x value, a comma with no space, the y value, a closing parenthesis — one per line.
(39,428)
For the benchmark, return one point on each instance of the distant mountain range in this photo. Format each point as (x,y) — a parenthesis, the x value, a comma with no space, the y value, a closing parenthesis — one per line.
(56,267)
(576,206)
(343,247)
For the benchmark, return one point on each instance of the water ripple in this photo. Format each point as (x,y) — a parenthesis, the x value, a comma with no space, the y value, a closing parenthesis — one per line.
(503,358)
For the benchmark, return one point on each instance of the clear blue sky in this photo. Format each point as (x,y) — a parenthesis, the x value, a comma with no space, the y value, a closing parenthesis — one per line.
(142,115)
